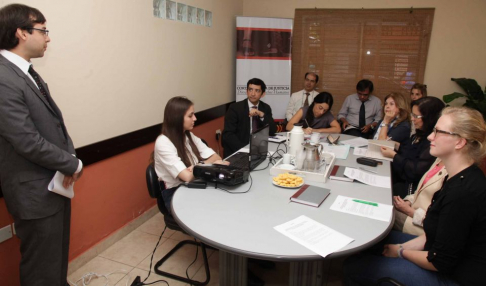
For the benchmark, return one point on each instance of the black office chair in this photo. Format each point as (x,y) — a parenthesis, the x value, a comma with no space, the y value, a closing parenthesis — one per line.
(155,187)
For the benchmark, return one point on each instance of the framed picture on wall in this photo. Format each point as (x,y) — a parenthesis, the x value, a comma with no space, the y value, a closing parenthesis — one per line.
(191,14)
(208,18)
(160,8)
(171,10)
(200,16)
(182,12)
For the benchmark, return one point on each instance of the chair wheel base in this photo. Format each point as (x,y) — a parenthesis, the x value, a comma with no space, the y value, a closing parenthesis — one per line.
(181,278)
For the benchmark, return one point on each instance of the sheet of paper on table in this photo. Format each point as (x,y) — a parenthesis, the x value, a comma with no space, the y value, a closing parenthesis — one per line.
(313,235)
(341,151)
(363,208)
(360,151)
(368,178)
(277,138)
(356,142)
(374,149)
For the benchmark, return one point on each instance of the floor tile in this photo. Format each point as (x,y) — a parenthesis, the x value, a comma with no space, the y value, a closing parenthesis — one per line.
(180,236)
(101,266)
(132,249)
(178,263)
(153,277)
(155,225)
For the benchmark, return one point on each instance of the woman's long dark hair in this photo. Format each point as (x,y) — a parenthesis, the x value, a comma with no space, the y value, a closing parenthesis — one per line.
(430,107)
(323,97)
(173,128)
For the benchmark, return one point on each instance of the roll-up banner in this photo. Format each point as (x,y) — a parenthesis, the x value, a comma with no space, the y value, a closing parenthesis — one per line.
(263,50)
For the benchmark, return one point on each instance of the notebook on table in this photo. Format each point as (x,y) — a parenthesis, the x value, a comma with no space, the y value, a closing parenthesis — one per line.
(310,195)
(258,151)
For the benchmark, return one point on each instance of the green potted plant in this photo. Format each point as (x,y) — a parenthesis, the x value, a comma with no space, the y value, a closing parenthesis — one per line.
(475,96)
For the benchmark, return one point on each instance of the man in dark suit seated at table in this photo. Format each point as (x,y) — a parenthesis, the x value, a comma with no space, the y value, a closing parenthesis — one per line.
(246,115)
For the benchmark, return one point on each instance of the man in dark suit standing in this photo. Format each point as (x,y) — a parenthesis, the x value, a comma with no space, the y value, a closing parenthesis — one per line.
(34,144)
(246,115)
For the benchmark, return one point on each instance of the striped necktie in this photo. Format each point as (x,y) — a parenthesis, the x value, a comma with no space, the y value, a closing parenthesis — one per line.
(37,80)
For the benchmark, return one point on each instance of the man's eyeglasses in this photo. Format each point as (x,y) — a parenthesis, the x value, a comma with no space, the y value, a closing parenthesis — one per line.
(416,116)
(435,131)
(43,31)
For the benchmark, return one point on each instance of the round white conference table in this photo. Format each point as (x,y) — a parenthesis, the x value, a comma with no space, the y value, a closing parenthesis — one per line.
(242,225)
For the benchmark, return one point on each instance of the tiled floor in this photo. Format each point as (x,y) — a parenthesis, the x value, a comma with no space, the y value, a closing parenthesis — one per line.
(130,257)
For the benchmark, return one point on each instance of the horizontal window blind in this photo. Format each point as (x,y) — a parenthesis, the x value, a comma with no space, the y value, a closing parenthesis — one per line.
(343,46)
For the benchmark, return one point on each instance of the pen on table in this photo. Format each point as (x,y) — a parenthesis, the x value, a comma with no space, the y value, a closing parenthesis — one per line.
(364,169)
(366,203)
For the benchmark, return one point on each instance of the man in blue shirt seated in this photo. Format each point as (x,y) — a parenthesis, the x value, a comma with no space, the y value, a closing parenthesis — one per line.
(245,116)
(361,111)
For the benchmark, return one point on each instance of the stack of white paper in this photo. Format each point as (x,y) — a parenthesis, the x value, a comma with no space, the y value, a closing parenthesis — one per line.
(363,208)
(313,235)
(368,178)
(56,186)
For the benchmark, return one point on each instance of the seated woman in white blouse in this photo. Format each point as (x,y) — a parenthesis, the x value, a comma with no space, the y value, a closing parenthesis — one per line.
(177,150)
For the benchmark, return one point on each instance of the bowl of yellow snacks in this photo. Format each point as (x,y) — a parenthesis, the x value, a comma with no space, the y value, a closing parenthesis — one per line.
(287,180)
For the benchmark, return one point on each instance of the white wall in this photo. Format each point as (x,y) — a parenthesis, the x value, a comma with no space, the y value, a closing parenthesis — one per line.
(457,42)
(111,66)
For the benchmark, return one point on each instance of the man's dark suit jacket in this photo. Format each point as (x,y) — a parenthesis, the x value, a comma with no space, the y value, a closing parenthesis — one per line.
(34,144)
(236,133)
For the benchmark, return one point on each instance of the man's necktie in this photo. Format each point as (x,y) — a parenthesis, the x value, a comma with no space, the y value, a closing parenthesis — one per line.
(254,121)
(306,101)
(362,117)
(36,77)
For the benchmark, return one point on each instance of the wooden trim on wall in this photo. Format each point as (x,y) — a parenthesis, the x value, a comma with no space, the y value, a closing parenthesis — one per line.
(105,149)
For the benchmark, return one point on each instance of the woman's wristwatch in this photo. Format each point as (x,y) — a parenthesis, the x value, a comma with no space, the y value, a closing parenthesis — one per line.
(400,251)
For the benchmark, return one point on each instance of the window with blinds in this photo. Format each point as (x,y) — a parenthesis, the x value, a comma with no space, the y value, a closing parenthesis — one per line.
(386,46)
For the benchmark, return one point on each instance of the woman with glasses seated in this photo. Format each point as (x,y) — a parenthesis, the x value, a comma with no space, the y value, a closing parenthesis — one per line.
(177,150)
(412,161)
(317,117)
(453,249)
(395,124)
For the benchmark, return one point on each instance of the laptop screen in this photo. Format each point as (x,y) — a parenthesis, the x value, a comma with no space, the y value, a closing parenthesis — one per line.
(259,143)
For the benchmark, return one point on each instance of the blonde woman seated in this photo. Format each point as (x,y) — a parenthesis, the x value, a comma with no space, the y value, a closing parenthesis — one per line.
(395,124)
(317,117)
(452,250)
(410,211)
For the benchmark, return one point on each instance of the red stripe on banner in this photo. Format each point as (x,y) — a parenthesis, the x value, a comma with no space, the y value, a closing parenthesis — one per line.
(263,29)
(263,58)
